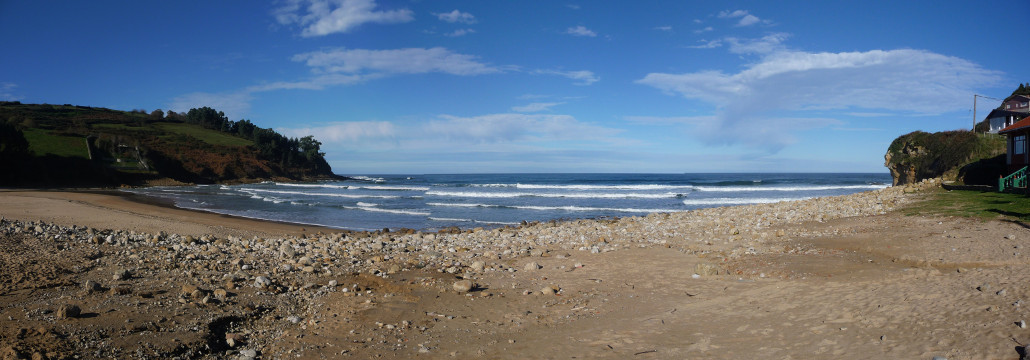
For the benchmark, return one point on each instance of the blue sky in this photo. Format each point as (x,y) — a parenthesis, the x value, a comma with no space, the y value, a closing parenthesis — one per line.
(537,86)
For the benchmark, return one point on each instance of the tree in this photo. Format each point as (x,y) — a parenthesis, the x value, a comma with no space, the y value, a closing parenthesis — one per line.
(13,145)
(310,148)
(157,115)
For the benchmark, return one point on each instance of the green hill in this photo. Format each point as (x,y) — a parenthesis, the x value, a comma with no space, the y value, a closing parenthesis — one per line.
(65,145)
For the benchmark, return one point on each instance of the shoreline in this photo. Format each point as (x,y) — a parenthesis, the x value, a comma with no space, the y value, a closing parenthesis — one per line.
(841,277)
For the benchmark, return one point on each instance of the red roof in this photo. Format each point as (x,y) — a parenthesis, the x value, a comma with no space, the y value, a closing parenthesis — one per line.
(1025,123)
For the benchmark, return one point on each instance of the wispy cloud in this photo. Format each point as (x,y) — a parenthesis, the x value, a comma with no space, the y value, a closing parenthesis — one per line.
(460,32)
(7,92)
(536,107)
(583,77)
(512,129)
(347,131)
(704,30)
(324,17)
(707,44)
(399,61)
(457,17)
(746,19)
(903,81)
(580,31)
(665,28)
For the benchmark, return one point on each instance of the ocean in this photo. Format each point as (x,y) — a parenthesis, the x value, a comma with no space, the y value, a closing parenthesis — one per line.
(433,202)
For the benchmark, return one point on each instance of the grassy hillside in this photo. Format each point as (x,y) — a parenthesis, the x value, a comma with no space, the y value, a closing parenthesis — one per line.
(80,145)
(953,155)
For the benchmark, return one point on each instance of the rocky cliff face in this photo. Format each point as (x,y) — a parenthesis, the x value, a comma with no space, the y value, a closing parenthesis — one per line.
(948,155)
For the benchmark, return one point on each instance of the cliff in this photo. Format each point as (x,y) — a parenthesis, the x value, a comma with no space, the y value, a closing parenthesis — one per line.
(958,155)
(65,145)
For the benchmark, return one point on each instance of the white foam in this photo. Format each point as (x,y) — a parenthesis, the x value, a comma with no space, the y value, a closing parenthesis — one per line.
(389,211)
(788,188)
(366,178)
(561,208)
(348,196)
(365,204)
(330,186)
(740,201)
(606,187)
(501,195)
(391,188)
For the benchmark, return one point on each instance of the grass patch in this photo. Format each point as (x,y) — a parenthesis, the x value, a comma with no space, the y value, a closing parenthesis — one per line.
(42,143)
(976,204)
(206,135)
(116,127)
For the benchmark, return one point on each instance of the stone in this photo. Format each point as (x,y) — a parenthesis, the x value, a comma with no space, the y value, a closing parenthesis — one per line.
(122,274)
(547,290)
(68,312)
(1010,237)
(531,266)
(287,251)
(262,282)
(984,287)
(463,286)
(333,283)
(221,294)
(248,354)
(477,266)
(305,261)
(91,286)
(394,269)
(293,319)
(309,269)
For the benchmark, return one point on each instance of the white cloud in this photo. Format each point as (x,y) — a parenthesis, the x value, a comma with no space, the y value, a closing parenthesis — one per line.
(503,128)
(746,19)
(324,17)
(467,133)
(457,17)
(707,44)
(580,31)
(704,30)
(764,45)
(7,92)
(460,32)
(663,28)
(353,131)
(585,77)
(903,81)
(573,6)
(536,107)
(399,61)
(235,105)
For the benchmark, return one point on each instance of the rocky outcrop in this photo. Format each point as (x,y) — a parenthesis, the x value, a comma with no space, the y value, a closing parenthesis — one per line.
(919,155)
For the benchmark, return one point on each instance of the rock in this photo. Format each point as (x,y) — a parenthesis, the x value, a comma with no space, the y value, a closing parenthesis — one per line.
(287,251)
(547,290)
(68,312)
(293,319)
(1010,237)
(984,287)
(308,269)
(248,354)
(262,282)
(122,274)
(1022,324)
(91,286)
(333,283)
(477,266)
(532,266)
(305,261)
(1000,292)
(221,294)
(463,286)
(394,269)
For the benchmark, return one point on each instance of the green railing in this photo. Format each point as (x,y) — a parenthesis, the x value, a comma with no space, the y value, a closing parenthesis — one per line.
(1015,180)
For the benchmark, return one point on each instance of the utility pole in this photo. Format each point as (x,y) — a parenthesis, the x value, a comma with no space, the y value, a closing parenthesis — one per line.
(974,108)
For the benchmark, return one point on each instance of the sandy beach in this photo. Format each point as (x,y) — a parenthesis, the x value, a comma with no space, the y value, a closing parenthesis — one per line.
(104,275)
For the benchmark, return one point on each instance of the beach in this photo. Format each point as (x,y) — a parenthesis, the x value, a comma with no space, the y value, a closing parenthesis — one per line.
(109,275)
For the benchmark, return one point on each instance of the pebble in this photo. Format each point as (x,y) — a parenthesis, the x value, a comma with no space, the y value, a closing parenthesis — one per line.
(547,290)
(463,286)
(532,266)
(91,286)
(262,282)
(1022,324)
(333,283)
(478,266)
(293,319)
(248,354)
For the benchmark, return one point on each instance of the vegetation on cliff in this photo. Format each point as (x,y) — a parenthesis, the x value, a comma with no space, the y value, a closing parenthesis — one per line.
(62,145)
(974,159)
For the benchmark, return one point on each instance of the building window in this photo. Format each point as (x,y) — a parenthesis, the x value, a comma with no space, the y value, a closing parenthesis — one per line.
(1007,106)
(1019,145)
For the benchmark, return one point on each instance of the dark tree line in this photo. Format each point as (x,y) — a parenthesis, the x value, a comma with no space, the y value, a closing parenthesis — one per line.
(272,146)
